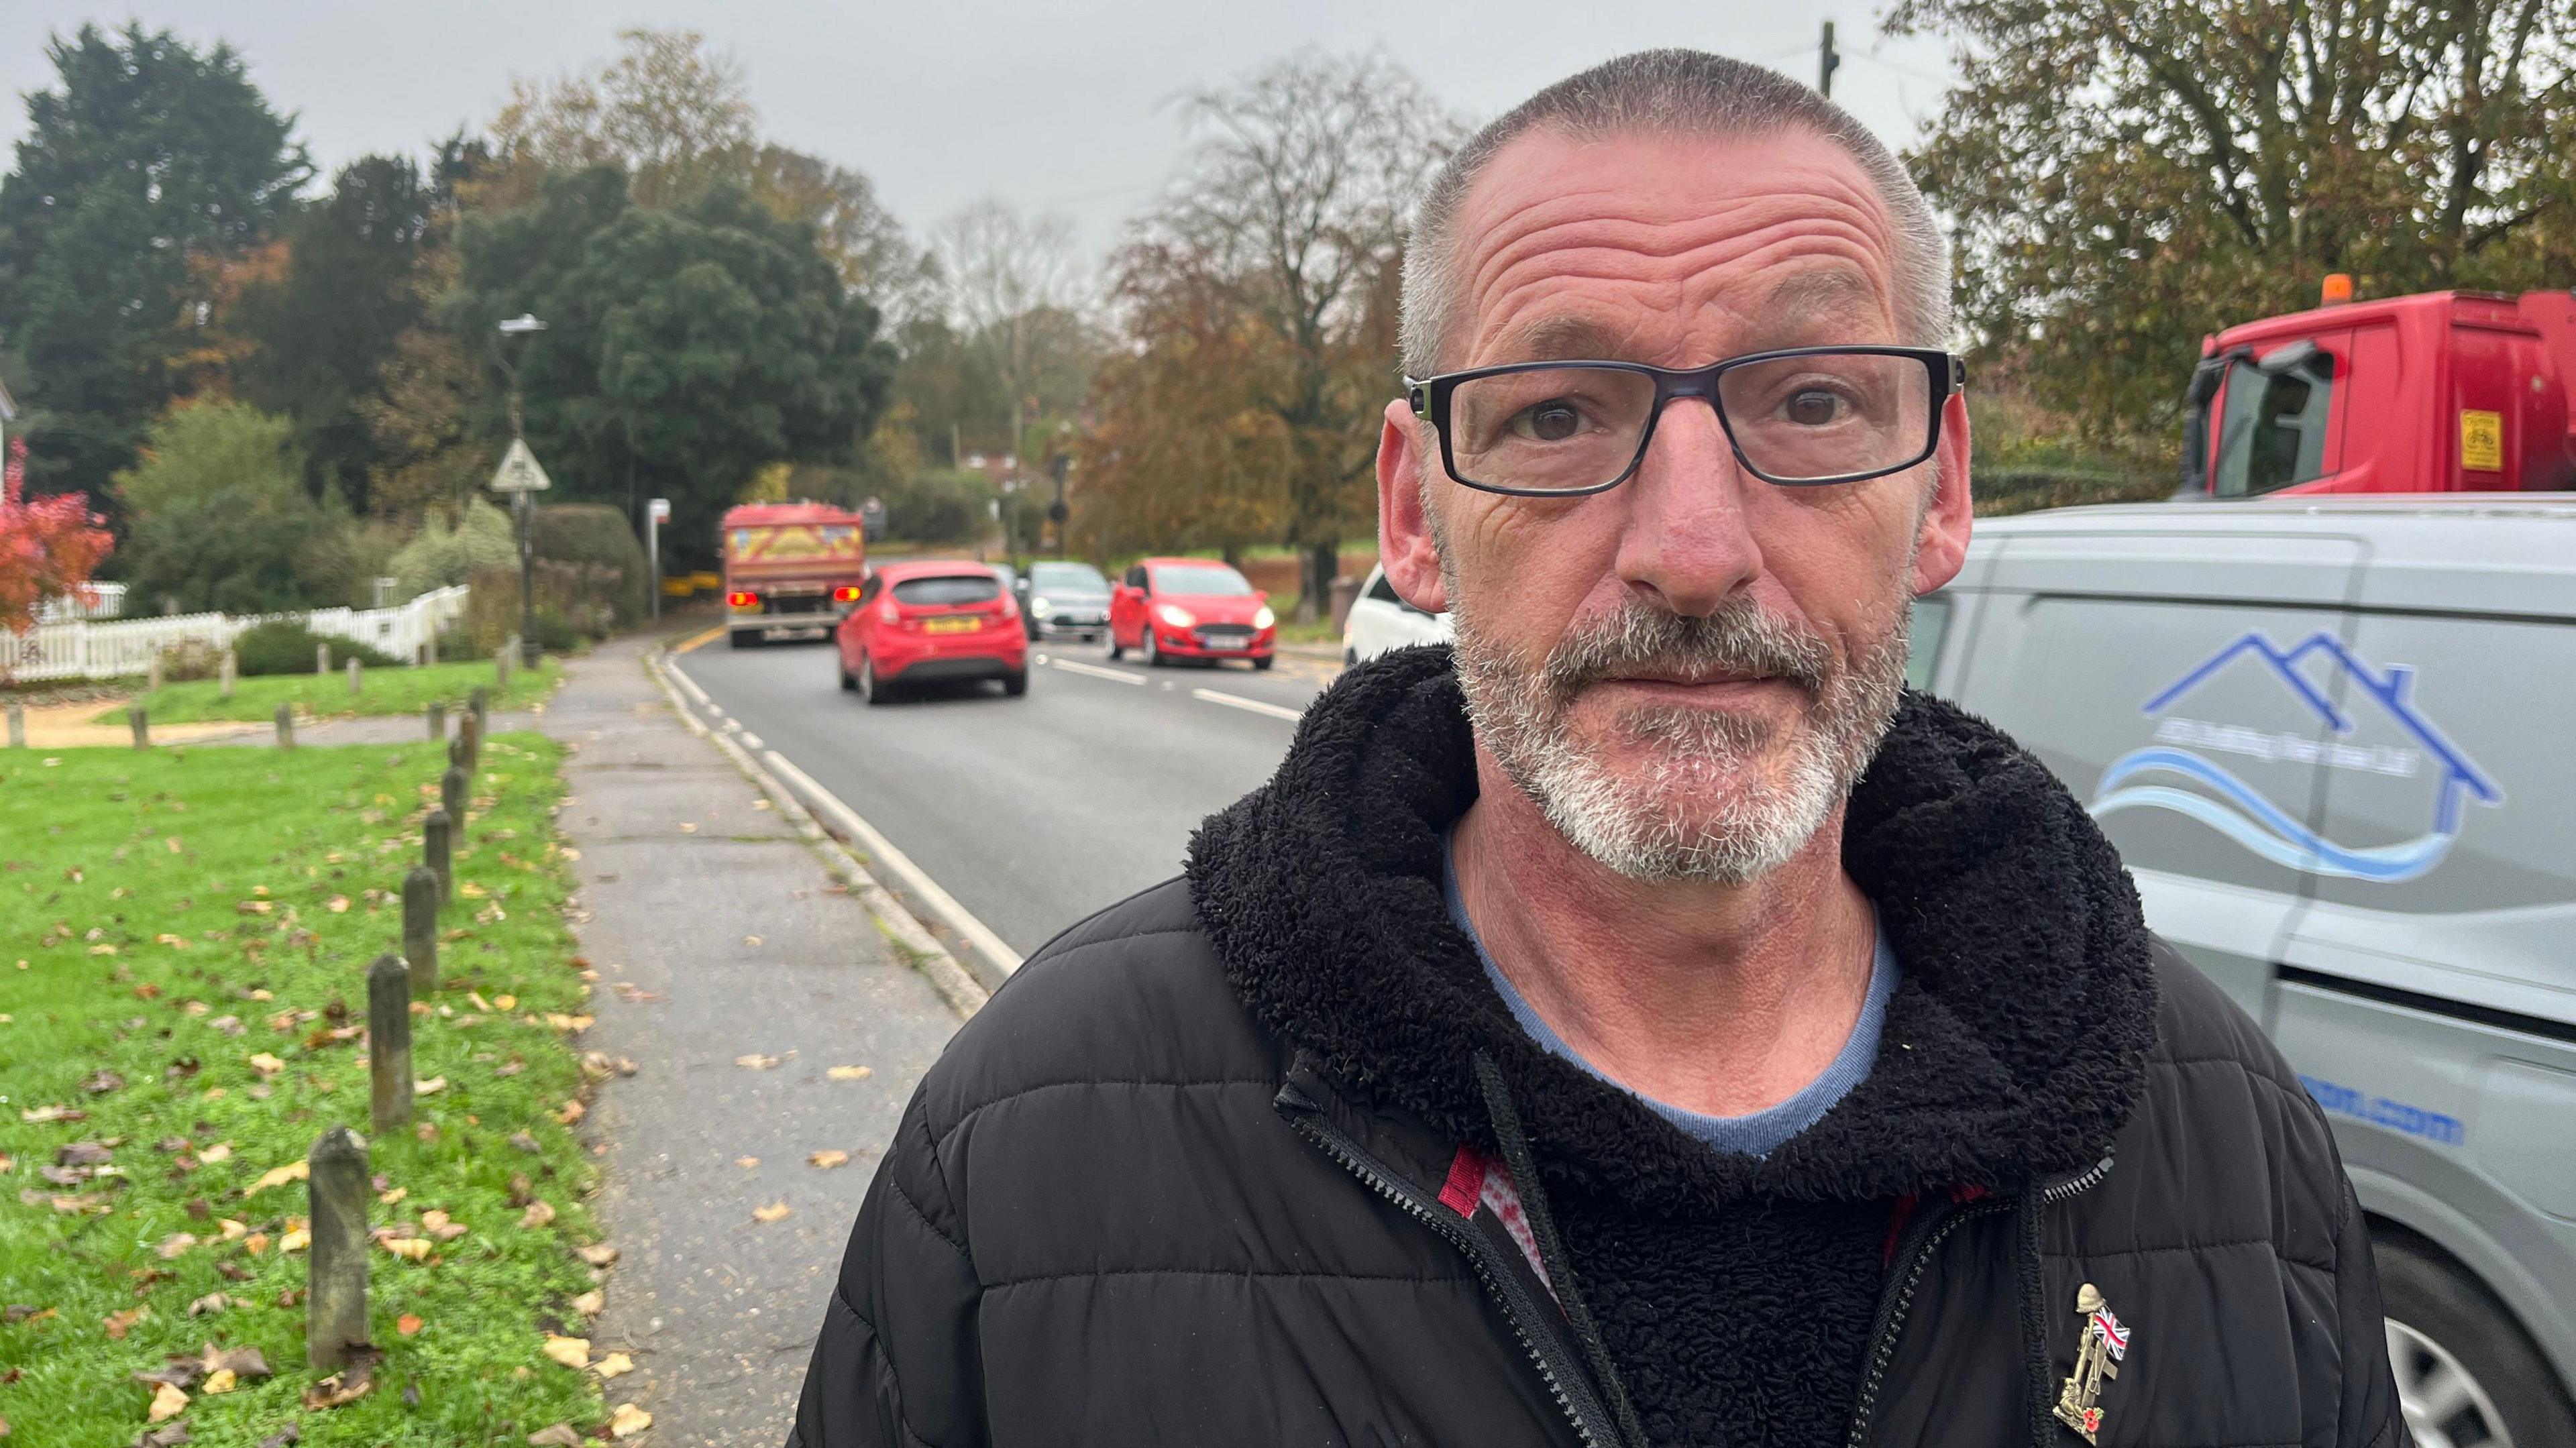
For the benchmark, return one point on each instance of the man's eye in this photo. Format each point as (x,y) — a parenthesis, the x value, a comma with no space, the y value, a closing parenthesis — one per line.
(1554,420)
(1814,407)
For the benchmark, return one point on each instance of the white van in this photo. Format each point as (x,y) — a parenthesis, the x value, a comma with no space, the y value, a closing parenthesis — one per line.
(2335,741)
(1381,620)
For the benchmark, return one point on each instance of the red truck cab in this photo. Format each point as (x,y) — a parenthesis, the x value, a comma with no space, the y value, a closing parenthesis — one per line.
(2438,392)
(789,567)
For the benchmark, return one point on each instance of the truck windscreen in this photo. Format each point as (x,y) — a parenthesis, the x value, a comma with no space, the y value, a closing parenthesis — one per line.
(2272,428)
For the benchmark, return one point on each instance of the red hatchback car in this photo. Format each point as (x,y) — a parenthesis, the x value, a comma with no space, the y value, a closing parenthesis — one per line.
(1190,608)
(917,622)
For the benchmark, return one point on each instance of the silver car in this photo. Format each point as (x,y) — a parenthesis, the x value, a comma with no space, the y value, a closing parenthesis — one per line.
(2332,739)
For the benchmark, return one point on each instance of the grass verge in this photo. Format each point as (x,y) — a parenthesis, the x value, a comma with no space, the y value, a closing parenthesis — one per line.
(382,691)
(187,937)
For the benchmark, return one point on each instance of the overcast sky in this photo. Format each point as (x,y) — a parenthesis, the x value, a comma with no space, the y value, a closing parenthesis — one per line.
(1056,105)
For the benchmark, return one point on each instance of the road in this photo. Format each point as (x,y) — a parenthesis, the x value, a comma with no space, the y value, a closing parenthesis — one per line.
(1031,812)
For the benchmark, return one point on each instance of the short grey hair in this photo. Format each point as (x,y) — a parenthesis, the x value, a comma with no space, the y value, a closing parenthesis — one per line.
(1669,92)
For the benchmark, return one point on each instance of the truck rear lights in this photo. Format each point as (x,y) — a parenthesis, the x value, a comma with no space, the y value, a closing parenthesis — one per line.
(846,593)
(743,598)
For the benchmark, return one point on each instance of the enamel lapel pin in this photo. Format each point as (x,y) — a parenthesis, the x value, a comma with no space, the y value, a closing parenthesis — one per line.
(2098,1352)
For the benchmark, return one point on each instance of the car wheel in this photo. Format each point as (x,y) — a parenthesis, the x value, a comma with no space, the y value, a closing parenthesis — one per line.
(1016,683)
(1117,650)
(1262,661)
(1150,651)
(871,688)
(842,665)
(2467,1376)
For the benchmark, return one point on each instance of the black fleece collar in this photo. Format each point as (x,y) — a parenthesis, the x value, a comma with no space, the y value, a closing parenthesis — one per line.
(2013,1049)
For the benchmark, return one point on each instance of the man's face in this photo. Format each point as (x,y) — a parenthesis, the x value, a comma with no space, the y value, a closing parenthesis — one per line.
(1687,672)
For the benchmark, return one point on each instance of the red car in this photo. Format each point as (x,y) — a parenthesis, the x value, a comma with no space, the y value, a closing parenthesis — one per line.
(918,622)
(1190,608)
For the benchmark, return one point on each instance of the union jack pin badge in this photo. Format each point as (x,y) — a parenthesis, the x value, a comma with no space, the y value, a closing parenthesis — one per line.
(2101,1346)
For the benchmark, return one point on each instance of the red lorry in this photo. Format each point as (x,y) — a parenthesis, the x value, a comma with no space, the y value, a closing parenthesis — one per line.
(789,568)
(2434,393)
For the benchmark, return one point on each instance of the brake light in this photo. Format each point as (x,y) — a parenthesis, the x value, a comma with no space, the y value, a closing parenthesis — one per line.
(845,594)
(742,598)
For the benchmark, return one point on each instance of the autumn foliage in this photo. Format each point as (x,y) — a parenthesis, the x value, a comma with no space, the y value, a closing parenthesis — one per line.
(48,546)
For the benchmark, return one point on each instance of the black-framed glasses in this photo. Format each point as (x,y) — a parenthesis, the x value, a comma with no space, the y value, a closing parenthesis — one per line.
(1802,417)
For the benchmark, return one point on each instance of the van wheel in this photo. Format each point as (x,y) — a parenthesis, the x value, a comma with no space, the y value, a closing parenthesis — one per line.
(2467,1376)
(870,687)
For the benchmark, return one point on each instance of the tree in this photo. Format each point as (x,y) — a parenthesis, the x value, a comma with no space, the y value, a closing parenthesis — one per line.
(2128,175)
(1014,288)
(1294,206)
(684,348)
(147,168)
(220,517)
(677,118)
(322,328)
(48,548)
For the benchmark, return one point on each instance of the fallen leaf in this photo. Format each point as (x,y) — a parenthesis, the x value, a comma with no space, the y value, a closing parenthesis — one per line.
(591,1303)
(756,1062)
(828,1159)
(120,1323)
(220,1151)
(524,1142)
(393,1196)
(480,1004)
(774,1212)
(295,1241)
(163,1437)
(83,1153)
(746,1161)
(599,1254)
(572,1111)
(255,1243)
(751,940)
(175,942)
(430,1087)
(572,1352)
(266,1064)
(175,1244)
(286,1437)
(167,1403)
(537,1215)
(628,1421)
(615,1365)
(505,1002)
(407,1324)
(102,1081)
(410,1249)
(42,1114)
(293,1171)
(211,1302)
(850,1073)
(246,1362)
(560,1435)
(222,1380)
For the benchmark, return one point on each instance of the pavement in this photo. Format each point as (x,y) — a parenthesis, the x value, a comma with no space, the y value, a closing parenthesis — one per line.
(1033,812)
(719,935)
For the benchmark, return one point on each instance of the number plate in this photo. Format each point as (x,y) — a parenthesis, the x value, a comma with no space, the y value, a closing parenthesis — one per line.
(952,625)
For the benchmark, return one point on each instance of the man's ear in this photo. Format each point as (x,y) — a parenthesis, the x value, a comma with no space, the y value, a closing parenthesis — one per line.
(1404,545)
(1941,538)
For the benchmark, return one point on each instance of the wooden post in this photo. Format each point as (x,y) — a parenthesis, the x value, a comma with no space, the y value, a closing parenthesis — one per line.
(451,795)
(420,929)
(429,645)
(335,1297)
(480,701)
(435,849)
(141,723)
(152,674)
(389,1042)
(469,742)
(502,662)
(17,726)
(286,726)
(321,658)
(437,716)
(353,678)
(228,671)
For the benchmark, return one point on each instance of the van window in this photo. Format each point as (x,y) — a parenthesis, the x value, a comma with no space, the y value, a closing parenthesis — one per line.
(2272,433)
(1923,646)
(948,588)
(1383,591)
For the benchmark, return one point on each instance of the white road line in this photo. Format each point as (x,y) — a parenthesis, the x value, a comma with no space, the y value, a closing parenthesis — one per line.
(732,725)
(752,741)
(882,852)
(1097,672)
(694,691)
(1237,701)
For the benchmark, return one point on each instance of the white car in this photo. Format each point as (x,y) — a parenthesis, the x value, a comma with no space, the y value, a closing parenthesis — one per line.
(1380,620)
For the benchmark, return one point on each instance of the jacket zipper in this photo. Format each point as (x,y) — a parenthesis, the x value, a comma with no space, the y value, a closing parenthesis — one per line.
(1557,1371)
(1928,1237)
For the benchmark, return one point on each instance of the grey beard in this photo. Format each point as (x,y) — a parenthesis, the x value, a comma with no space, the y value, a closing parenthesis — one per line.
(1638,823)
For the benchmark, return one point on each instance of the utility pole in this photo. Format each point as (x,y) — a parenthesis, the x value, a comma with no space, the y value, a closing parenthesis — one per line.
(1828,60)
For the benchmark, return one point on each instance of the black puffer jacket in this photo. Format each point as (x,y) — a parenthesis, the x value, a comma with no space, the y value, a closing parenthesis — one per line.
(1246,1159)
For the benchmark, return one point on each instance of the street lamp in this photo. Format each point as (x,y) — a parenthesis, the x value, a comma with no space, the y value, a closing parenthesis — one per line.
(522,506)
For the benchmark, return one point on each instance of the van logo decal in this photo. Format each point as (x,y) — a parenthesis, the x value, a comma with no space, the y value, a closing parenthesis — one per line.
(2241,813)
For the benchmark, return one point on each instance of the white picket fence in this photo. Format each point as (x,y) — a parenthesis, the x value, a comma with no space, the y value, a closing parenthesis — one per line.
(81,649)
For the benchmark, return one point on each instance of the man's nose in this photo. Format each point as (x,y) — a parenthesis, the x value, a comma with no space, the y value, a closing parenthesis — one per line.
(1688,539)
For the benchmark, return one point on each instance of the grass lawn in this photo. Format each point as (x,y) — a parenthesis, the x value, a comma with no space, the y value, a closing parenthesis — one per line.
(382,691)
(184,936)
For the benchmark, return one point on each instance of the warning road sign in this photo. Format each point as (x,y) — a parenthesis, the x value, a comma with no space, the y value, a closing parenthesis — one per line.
(519,472)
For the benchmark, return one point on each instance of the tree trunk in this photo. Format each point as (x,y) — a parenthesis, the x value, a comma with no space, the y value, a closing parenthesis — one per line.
(1319,563)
